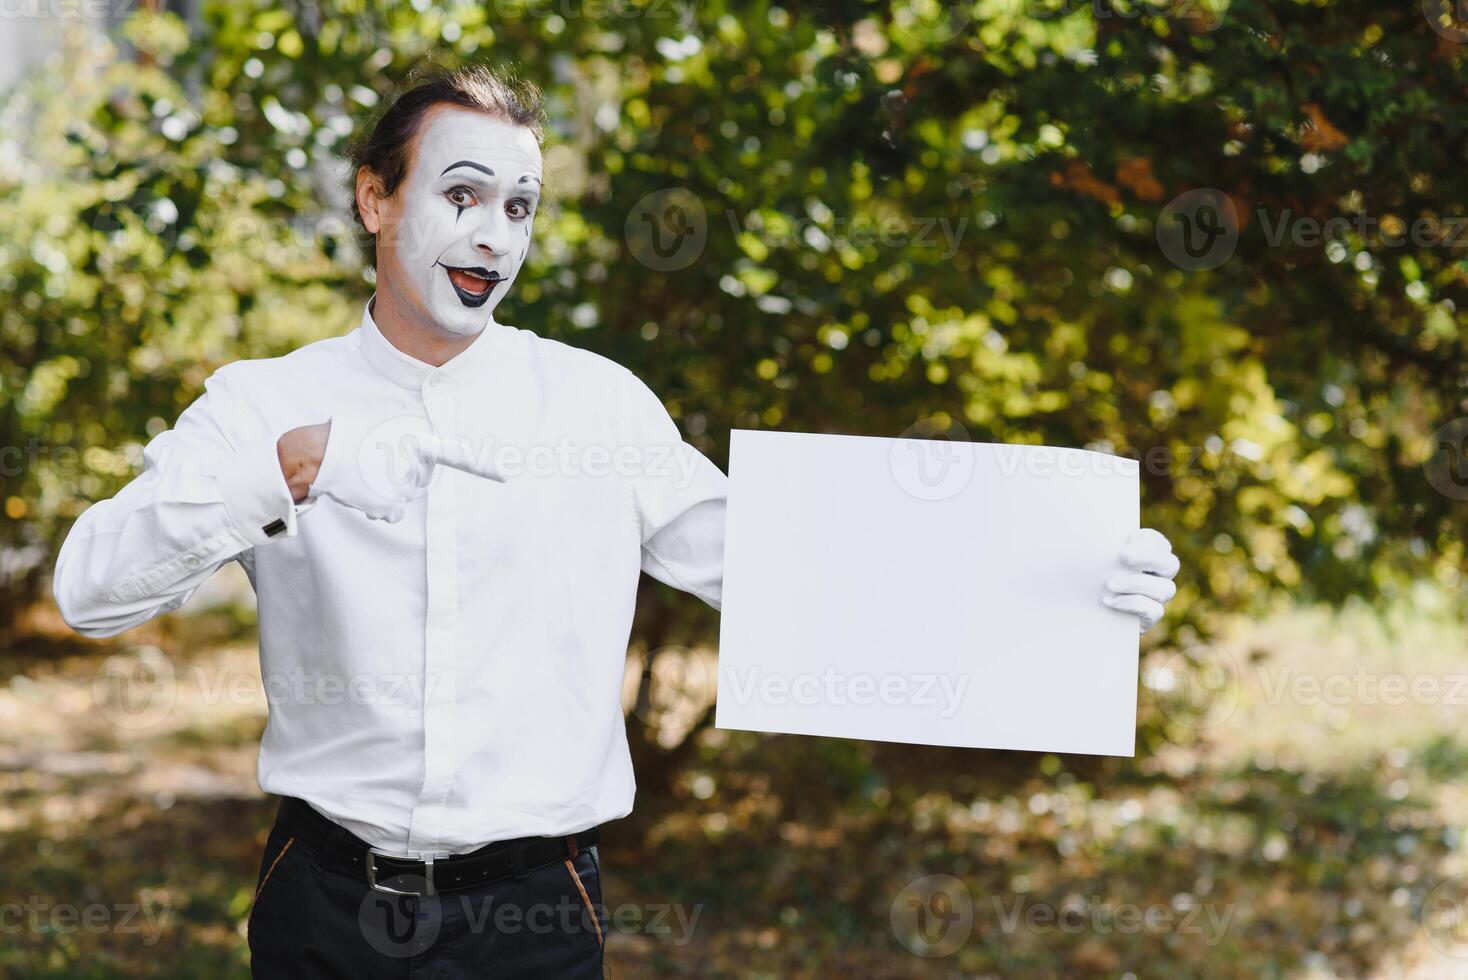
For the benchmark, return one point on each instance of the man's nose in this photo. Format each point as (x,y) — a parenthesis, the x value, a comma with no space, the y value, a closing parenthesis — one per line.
(492,232)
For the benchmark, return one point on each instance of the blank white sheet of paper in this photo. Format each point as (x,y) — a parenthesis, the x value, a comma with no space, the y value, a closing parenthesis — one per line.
(927,591)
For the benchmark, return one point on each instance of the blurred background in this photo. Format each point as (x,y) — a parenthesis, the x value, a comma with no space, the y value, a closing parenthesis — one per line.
(1224,239)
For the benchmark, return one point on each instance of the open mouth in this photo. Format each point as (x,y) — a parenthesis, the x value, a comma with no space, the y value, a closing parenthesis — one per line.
(472,283)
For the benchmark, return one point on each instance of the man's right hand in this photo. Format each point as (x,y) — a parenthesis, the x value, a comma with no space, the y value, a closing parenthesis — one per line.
(300,451)
(376,468)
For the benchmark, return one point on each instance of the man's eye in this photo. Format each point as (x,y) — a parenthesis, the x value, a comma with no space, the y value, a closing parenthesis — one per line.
(461,197)
(517,208)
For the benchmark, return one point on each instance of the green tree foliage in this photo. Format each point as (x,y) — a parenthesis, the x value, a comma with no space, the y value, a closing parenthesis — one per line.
(913,213)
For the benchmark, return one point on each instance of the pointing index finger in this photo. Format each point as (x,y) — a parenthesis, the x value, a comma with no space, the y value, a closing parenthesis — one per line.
(458,454)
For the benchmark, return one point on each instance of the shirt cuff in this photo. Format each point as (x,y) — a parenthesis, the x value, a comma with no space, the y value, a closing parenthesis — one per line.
(255,493)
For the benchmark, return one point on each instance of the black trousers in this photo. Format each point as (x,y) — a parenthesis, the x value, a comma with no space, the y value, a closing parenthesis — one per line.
(314,919)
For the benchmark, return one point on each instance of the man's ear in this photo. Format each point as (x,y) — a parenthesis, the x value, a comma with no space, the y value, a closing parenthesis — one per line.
(369,196)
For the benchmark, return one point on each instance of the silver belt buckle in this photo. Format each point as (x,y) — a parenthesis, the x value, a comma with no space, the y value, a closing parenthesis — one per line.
(372,875)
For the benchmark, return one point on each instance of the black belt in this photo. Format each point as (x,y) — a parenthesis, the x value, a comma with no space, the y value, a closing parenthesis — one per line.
(493,862)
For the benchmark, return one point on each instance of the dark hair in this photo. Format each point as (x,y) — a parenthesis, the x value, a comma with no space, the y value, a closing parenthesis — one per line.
(386,150)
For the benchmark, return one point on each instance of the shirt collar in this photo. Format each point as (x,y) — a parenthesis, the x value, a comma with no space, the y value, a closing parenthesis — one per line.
(406,370)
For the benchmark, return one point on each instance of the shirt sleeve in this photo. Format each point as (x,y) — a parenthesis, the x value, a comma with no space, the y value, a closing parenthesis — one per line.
(211,488)
(680,497)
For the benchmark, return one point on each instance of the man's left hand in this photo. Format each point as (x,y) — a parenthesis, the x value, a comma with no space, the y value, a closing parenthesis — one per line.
(1147,581)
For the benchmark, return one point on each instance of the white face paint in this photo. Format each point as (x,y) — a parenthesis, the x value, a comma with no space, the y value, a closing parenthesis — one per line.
(457,230)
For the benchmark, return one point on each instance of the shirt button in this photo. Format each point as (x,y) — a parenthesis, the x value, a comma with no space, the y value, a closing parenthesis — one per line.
(191,560)
(436,380)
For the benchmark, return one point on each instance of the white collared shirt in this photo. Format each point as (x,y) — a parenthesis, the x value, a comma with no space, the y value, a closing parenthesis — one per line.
(454,678)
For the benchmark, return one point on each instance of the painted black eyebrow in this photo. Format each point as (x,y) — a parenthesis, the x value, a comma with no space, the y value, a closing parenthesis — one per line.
(467,163)
(528,177)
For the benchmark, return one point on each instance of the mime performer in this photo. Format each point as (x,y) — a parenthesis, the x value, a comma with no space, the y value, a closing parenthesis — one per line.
(444,519)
